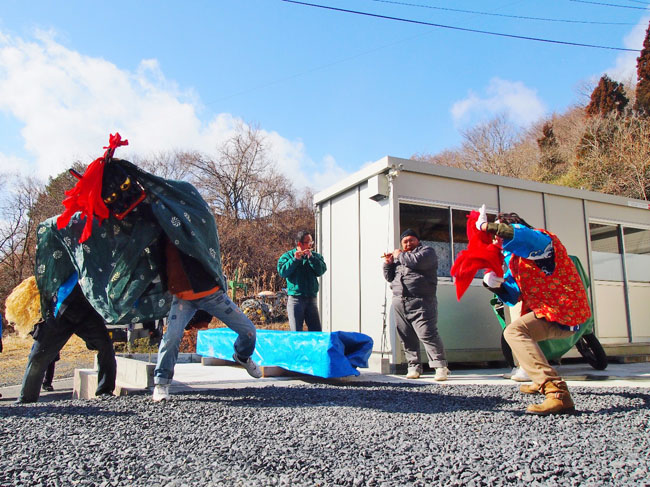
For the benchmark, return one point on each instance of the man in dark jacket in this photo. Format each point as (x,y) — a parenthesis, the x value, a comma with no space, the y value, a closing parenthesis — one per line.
(412,272)
(71,313)
(302,267)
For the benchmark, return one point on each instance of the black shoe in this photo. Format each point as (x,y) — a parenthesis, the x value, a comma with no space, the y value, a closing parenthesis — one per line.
(48,387)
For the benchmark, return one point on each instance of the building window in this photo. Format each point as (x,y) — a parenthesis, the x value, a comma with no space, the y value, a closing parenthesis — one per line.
(636,242)
(606,252)
(432,225)
(443,228)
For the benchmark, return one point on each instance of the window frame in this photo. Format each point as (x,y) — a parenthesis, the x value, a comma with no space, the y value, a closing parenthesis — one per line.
(450,207)
(621,226)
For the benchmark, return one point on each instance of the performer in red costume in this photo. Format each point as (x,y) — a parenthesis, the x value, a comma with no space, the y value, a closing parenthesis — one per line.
(554,302)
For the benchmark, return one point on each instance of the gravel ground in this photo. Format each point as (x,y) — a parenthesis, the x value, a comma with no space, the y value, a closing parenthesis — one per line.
(334,435)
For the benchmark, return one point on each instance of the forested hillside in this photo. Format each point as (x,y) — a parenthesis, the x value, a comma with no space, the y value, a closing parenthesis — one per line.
(600,145)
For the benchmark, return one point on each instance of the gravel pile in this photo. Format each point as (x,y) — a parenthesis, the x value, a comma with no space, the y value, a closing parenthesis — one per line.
(333,435)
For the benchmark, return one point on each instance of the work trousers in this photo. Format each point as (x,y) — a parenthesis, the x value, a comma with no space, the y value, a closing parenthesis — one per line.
(303,309)
(49,372)
(217,304)
(79,319)
(416,320)
(523,334)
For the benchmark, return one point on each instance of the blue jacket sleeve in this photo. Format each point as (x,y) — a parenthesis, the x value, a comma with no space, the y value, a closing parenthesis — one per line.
(529,243)
(509,292)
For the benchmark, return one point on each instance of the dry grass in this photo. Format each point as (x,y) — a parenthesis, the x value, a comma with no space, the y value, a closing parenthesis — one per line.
(13,359)
(276,325)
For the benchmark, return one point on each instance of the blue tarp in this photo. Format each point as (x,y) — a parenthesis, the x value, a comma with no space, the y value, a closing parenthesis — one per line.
(320,354)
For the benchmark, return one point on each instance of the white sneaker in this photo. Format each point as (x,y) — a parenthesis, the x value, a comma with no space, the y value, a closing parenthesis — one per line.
(414,372)
(519,375)
(514,370)
(251,367)
(441,374)
(161,393)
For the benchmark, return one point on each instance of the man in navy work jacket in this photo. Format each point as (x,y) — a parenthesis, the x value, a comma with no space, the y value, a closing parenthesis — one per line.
(413,274)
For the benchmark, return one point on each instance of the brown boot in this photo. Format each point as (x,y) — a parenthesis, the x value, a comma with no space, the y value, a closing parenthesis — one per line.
(530,388)
(558,400)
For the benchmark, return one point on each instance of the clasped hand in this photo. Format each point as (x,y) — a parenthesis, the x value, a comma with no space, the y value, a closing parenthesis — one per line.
(492,280)
(302,253)
(389,257)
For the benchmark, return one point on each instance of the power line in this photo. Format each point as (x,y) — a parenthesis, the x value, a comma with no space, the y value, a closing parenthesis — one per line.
(463,29)
(523,17)
(608,4)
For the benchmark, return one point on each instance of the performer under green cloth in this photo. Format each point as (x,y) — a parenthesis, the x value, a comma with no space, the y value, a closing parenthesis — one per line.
(121,264)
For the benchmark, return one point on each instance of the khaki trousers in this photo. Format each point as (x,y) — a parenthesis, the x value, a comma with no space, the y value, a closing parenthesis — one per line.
(523,334)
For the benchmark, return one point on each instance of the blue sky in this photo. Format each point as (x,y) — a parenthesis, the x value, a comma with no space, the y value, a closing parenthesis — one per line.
(331,91)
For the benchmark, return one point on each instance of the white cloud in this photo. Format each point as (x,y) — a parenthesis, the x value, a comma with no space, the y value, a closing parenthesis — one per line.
(328,173)
(624,69)
(520,103)
(66,104)
(11,164)
(292,161)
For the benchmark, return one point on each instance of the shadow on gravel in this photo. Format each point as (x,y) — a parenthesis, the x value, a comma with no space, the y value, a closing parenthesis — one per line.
(618,402)
(43,409)
(63,395)
(393,398)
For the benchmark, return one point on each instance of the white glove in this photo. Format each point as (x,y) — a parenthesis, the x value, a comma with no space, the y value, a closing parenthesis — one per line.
(491,280)
(482,217)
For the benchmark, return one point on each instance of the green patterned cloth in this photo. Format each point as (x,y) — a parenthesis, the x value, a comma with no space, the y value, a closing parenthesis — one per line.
(121,266)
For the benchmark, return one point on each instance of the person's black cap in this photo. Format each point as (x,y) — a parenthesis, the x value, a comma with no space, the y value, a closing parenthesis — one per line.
(409,233)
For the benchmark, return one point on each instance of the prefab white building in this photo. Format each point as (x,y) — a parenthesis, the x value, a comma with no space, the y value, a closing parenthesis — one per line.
(362,216)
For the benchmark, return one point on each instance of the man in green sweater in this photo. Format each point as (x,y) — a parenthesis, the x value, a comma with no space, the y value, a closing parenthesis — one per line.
(302,267)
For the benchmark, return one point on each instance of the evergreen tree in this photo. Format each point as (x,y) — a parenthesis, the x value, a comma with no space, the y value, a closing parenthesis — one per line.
(547,140)
(549,148)
(642,104)
(607,97)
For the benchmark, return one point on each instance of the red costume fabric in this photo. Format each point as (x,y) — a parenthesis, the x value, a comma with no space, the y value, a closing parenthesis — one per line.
(560,297)
(86,196)
(481,253)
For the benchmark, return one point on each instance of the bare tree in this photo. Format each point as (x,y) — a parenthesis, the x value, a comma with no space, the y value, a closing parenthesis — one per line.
(584,89)
(449,157)
(493,147)
(18,221)
(169,164)
(241,182)
(613,157)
